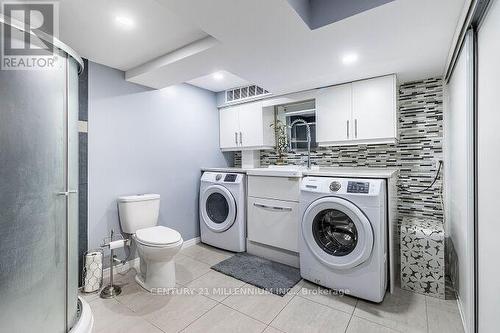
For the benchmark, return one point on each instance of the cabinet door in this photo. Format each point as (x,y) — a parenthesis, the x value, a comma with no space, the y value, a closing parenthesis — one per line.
(374,108)
(251,125)
(273,222)
(229,127)
(333,114)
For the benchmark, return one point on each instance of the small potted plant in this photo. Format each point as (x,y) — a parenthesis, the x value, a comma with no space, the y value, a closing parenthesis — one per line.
(280,131)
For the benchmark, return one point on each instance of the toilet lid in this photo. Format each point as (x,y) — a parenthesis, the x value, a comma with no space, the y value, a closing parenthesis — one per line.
(158,235)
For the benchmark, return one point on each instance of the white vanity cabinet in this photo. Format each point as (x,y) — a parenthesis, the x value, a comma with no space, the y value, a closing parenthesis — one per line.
(273,211)
(359,112)
(246,126)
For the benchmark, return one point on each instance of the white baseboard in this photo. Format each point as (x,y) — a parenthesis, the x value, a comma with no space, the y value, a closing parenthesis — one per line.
(134,263)
(191,242)
(120,268)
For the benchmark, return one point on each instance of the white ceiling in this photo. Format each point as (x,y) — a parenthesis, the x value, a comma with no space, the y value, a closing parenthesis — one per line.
(226,81)
(89,27)
(261,41)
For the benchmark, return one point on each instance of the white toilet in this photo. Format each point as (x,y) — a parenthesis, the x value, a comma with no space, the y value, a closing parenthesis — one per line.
(157,245)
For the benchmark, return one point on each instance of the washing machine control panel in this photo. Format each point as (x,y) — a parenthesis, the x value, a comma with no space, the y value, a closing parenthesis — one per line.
(358,187)
(230,178)
(335,186)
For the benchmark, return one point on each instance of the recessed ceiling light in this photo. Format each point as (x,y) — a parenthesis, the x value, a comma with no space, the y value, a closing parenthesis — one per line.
(349,58)
(124,22)
(218,76)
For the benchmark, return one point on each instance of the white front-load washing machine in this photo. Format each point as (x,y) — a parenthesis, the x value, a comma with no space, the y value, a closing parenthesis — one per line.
(222,210)
(343,241)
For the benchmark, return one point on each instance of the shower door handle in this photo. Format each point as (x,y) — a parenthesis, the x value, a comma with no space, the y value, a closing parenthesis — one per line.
(67,193)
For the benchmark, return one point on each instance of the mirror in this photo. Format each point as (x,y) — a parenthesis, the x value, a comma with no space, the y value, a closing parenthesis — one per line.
(296,136)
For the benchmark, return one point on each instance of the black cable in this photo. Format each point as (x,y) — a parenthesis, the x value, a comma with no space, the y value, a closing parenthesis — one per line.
(427,188)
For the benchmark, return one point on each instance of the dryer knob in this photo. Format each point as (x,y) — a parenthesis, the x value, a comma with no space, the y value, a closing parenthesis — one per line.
(218,177)
(335,186)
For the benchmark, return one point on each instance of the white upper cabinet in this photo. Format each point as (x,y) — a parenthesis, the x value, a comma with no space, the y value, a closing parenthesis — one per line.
(358,112)
(333,113)
(251,126)
(246,126)
(228,120)
(374,109)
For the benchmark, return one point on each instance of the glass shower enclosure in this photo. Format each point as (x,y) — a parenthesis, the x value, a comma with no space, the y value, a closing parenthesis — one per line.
(38,197)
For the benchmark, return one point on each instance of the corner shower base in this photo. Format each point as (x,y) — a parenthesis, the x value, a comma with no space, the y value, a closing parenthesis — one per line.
(85,322)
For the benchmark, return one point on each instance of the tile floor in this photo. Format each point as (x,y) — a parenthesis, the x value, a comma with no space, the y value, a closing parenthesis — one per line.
(209,301)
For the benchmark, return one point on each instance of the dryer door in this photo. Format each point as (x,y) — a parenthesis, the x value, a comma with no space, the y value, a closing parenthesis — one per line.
(218,208)
(337,232)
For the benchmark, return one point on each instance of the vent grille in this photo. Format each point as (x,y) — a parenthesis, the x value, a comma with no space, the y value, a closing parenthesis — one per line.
(242,93)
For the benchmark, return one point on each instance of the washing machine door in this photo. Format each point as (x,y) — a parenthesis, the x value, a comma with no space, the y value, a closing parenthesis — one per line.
(218,208)
(337,232)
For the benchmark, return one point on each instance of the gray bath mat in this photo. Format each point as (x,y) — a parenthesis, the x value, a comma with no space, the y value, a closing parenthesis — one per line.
(271,276)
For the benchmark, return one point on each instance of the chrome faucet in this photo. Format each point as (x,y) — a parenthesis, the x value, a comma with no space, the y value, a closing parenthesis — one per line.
(308,133)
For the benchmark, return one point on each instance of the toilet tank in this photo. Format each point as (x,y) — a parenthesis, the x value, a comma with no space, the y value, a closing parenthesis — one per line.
(138,211)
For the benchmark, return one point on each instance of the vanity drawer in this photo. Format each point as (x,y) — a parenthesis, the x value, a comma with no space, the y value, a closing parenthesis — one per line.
(280,188)
(273,222)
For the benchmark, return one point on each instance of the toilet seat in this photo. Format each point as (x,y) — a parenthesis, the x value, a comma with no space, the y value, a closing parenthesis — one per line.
(158,236)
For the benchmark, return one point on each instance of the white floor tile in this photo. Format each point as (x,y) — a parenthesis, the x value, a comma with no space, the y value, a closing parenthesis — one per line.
(188,269)
(257,303)
(215,285)
(303,309)
(327,297)
(206,254)
(302,315)
(360,325)
(403,311)
(443,316)
(224,319)
(175,312)
(271,329)
(113,317)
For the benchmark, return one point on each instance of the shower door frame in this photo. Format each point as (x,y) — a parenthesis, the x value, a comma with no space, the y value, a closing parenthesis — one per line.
(69,191)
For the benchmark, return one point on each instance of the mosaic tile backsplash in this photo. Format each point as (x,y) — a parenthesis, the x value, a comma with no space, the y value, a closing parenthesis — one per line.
(416,154)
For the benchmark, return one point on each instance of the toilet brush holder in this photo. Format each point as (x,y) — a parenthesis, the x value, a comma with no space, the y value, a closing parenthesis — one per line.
(112,290)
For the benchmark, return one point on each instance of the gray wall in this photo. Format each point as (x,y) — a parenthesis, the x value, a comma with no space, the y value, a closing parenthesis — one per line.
(148,141)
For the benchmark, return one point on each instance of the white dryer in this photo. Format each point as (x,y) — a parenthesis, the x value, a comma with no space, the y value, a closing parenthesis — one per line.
(222,210)
(343,235)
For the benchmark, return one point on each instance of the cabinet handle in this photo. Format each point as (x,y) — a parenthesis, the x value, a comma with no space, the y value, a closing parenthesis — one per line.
(356,128)
(348,129)
(236,138)
(67,193)
(241,141)
(288,209)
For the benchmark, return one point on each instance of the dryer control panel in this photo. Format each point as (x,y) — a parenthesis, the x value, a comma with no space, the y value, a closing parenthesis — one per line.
(223,178)
(358,187)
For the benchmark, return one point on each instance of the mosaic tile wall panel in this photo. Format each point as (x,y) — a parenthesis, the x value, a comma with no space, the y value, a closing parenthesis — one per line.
(422,256)
(83,109)
(420,116)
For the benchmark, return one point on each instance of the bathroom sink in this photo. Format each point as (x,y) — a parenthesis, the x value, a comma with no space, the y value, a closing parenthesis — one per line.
(281,170)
